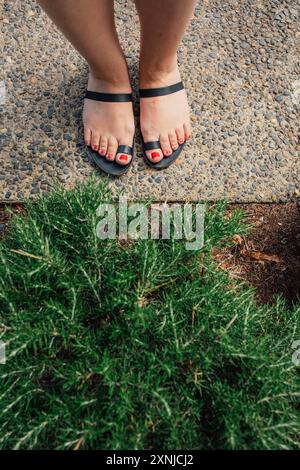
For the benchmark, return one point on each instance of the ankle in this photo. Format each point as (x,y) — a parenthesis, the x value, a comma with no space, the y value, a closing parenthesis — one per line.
(109,81)
(159,73)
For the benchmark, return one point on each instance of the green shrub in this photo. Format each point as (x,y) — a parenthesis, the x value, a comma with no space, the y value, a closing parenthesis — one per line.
(139,345)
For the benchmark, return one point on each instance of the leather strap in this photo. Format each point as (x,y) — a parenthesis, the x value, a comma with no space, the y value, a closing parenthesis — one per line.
(109,97)
(151,145)
(167,90)
(125,149)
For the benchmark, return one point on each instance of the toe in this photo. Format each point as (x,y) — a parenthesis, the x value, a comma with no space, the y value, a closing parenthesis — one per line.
(154,156)
(187,131)
(173,140)
(103,145)
(123,159)
(95,140)
(87,136)
(165,145)
(180,135)
(112,148)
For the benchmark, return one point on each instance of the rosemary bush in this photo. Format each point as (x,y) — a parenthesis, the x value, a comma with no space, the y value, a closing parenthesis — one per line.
(139,345)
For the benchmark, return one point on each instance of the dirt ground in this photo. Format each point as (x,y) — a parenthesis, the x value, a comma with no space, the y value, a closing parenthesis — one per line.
(268,258)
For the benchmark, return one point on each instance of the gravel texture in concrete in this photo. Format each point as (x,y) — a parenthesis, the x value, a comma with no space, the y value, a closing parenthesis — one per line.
(240,63)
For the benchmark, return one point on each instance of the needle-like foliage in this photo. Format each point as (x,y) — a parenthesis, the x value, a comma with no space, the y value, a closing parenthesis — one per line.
(136,345)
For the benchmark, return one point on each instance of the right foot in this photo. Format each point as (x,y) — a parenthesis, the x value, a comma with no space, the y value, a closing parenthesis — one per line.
(108,125)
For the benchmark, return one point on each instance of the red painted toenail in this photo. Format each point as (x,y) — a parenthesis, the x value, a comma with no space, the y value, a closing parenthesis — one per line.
(102,152)
(155,154)
(95,147)
(123,157)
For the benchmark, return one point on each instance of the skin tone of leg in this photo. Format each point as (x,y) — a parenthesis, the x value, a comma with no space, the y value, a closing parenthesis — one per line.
(89,26)
(165,118)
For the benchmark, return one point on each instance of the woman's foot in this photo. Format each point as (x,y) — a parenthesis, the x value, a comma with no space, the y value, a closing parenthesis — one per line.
(108,125)
(164,118)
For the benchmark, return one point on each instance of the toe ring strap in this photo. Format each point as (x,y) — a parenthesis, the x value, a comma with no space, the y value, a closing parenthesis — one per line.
(125,149)
(152,145)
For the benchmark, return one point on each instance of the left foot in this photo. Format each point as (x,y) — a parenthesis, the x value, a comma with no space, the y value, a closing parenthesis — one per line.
(164,118)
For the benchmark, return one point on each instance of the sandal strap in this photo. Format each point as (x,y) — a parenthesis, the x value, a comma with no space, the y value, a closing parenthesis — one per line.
(151,145)
(167,90)
(109,97)
(125,149)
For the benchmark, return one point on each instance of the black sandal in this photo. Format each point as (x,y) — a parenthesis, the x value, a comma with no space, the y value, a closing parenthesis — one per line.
(111,167)
(166,161)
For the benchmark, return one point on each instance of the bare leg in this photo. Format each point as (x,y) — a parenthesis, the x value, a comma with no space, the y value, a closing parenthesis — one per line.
(164,118)
(89,26)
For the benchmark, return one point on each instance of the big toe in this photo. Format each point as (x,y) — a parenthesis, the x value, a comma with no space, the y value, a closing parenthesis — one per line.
(123,158)
(154,156)
(124,151)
